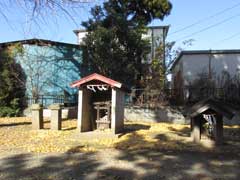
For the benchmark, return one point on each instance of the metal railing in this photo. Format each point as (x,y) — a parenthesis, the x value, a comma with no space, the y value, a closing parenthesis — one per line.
(46,100)
(154,98)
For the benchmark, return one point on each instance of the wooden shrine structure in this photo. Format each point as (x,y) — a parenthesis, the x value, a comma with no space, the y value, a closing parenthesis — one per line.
(210,113)
(100,103)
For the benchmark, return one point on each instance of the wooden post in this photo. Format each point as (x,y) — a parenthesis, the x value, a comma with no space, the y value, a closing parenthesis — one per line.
(196,129)
(117,111)
(109,112)
(56,117)
(37,116)
(80,107)
(84,111)
(98,112)
(191,124)
(218,130)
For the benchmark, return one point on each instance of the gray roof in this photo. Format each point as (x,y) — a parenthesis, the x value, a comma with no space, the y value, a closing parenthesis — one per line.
(207,104)
(199,52)
(42,42)
(79,30)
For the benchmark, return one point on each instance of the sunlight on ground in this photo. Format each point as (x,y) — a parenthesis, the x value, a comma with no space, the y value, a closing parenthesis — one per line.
(16,135)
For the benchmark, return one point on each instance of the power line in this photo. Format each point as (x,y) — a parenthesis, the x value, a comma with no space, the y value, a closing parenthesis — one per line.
(205,19)
(208,27)
(228,38)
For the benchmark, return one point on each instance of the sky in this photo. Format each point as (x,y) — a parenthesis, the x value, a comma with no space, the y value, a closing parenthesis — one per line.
(211,24)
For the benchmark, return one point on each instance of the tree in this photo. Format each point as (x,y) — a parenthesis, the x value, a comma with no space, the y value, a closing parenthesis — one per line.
(156,74)
(38,7)
(172,51)
(114,46)
(12,86)
(35,12)
(145,11)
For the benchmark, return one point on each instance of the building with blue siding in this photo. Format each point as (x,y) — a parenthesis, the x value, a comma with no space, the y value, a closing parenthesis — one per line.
(49,67)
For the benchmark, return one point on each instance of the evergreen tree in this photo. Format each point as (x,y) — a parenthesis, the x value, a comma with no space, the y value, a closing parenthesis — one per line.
(12,83)
(114,46)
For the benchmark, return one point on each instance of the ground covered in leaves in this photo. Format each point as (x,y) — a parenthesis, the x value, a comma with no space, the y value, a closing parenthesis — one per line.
(16,135)
(143,151)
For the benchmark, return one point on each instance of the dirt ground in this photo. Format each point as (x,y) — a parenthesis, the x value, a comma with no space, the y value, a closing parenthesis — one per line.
(144,151)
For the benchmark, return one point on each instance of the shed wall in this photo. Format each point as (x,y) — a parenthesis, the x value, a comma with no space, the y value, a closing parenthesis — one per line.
(50,69)
(217,66)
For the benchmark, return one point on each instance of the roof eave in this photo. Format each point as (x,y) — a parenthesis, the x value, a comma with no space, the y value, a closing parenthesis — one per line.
(98,77)
(30,41)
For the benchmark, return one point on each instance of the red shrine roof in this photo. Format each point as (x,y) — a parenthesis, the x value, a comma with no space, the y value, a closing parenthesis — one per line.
(97,77)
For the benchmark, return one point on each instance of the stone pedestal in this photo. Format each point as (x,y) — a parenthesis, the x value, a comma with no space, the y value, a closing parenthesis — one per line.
(37,116)
(56,123)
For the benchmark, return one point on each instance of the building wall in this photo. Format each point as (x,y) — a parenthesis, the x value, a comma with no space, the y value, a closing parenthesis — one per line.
(80,36)
(193,66)
(50,69)
(216,66)
(161,114)
(167,114)
(229,63)
(156,38)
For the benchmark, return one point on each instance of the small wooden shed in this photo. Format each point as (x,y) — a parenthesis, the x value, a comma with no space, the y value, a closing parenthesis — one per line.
(100,103)
(211,112)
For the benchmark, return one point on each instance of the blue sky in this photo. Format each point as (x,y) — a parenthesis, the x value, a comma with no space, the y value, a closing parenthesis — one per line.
(219,29)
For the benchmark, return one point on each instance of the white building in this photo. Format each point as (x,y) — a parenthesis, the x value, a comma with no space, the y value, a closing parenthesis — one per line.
(81,33)
(193,69)
(156,35)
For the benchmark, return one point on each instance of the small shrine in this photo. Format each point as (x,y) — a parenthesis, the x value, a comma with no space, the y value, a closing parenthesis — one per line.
(207,117)
(100,103)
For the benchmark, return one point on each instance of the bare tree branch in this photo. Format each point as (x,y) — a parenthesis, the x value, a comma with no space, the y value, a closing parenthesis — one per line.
(39,10)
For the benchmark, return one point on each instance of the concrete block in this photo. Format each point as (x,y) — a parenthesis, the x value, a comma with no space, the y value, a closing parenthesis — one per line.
(37,116)
(56,122)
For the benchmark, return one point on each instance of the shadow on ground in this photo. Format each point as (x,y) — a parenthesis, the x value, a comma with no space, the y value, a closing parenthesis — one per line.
(133,158)
(128,128)
(15,124)
(185,132)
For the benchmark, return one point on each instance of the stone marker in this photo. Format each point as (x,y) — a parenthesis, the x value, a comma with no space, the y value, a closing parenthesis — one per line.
(37,116)
(55,116)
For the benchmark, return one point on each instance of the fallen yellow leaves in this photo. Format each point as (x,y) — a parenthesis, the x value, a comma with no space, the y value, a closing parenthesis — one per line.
(16,135)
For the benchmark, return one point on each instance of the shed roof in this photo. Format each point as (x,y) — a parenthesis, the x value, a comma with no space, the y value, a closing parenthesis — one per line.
(208,104)
(40,42)
(98,77)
